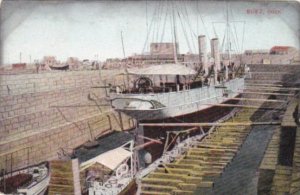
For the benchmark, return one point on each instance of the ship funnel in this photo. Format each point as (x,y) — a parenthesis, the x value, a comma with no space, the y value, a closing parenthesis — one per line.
(203,53)
(215,53)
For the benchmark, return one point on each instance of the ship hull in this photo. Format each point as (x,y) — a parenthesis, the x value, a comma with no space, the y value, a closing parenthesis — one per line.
(175,104)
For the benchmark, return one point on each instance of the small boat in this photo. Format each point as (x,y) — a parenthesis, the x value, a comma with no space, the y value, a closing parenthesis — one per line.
(110,172)
(59,67)
(32,180)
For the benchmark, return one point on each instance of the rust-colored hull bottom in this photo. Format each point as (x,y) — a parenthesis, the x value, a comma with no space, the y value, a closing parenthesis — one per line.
(208,115)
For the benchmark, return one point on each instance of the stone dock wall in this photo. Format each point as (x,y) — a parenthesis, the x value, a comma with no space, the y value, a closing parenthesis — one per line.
(42,113)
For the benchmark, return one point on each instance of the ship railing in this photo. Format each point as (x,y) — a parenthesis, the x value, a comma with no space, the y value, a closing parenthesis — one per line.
(162,88)
(113,186)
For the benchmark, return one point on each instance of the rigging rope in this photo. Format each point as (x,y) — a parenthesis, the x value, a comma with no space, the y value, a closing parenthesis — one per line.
(164,25)
(160,11)
(192,33)
(235,41)
(149,31)
(205,29)
(242,47)
(235,32)
(184,32)
(216,36)
(147,15)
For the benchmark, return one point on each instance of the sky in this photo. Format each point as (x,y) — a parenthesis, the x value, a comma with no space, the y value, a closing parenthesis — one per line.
(92,29)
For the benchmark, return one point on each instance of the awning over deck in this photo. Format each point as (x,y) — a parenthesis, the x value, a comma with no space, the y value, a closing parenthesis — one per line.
(111,159)
(163,69)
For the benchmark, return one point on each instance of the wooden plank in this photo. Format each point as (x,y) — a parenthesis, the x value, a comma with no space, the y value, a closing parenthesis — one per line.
(150,139)
(165,181)
(257,100)
(168,176)
(266,84)
(242,106)
(139,147)
(275,88)
(207,124)
(206,184)
(283,94)
(182,192)
(202,162)
(159,187)
(187,186)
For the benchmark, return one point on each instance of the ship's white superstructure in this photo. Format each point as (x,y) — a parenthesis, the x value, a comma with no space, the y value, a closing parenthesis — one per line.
(151,106)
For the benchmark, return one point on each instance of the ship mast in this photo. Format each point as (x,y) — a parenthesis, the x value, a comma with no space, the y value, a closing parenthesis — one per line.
(122,44)
(228,44)
(127,76)
(174,34)
(228,34)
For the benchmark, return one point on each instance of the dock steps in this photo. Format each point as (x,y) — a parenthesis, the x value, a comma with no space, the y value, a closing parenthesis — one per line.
(276,178)
(295,179)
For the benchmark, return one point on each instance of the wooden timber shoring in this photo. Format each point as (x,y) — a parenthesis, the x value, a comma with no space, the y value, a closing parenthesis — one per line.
(142,146)
(258,100)
(243,106)
(260,93)
(270,90)
(266,85)
(177,133)
(150,139)
(232,124)
(275,88)
(269,82)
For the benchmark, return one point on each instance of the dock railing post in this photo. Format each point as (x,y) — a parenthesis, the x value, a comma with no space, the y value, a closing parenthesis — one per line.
(121,121)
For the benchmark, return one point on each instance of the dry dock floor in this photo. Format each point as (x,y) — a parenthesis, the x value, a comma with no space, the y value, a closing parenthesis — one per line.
(224,162)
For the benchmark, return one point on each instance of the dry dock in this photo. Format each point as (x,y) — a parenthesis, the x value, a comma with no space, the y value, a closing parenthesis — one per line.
(51,112)
(238,160)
